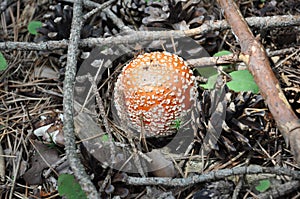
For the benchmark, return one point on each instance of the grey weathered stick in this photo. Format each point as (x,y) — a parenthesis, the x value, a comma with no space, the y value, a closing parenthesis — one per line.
(212,176)
(68,106)
(97,9)
(233,58)
(136,36)
(2,165)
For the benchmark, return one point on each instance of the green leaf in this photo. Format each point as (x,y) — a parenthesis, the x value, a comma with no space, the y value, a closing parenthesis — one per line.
(210,82)
(69,187)
(207,71)
(242,80)
(263,185)
(3,63)
(33,26)
(221,53)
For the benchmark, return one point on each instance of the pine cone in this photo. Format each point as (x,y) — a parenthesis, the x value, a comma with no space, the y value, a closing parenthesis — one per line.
(180,15)
(107,26)
(58,24)
(215,190)
(131,11)
(231,119)
(174,14)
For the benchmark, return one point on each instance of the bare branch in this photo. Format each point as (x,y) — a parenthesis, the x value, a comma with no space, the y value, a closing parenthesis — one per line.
(212,176)
(136,36)
(2,165)
(233,58)
(68,99)
(97,9)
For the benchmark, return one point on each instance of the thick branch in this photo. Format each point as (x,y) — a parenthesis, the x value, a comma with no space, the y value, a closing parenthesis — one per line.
(254,55)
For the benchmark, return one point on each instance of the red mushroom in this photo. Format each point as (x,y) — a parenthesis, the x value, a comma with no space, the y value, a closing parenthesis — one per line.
(153,91)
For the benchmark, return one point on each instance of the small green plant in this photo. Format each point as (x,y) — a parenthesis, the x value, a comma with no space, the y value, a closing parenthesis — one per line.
(241,80)
(263,186)
(69,187)
(104,138)
(3,63)
(177,124)
(33,26)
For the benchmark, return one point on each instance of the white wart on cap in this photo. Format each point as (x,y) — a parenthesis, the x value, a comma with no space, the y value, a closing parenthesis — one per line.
(153,91)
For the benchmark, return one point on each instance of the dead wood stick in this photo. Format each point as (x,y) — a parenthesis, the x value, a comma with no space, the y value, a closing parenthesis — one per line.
(254,55)
(211,176)
(70,147)
(2,165)
(137,36)
(232,58)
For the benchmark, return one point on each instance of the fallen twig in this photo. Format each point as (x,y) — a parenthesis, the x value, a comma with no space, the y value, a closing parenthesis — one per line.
(212,176)
(97,9)
(68,99)
(2,165)
(233,58)
(213,61)
(136,36)
(254,55)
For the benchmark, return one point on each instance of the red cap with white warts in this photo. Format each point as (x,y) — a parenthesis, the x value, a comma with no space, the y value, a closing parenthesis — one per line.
(153,91)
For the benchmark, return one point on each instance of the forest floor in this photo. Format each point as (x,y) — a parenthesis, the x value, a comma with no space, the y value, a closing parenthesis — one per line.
(233,147)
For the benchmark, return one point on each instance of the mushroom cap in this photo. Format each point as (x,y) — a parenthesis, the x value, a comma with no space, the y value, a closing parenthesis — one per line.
(153,91)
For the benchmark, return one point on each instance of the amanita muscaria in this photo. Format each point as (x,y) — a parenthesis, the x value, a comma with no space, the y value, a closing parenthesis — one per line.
(153,92)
